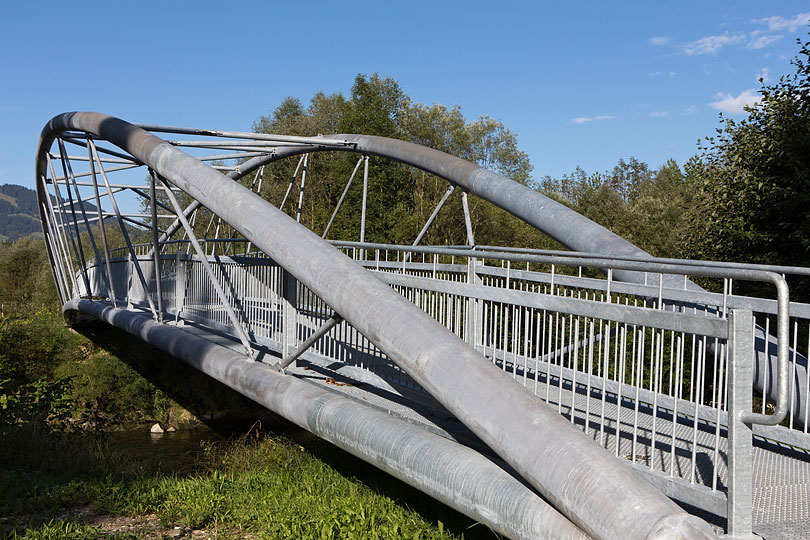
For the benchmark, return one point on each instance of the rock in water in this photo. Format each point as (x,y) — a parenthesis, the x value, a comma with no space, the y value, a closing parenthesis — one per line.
(156,429)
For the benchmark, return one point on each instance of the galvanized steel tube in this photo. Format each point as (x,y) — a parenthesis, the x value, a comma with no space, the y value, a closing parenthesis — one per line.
(454,474)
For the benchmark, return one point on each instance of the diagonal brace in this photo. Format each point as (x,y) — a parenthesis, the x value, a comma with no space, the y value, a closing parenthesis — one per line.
(316,335)
(243,337)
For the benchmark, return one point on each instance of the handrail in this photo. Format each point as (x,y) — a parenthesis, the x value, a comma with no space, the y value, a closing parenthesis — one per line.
(749,274)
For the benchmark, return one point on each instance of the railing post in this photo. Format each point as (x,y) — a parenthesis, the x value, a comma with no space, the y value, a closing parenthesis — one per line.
(179,285)
(474,313)
(740,441)
(289,310)
(130,269)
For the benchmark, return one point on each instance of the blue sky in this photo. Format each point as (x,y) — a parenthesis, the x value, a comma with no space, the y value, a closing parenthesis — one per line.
(580,83)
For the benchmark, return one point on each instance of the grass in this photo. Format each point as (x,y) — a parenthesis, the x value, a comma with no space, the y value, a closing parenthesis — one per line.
(258,486)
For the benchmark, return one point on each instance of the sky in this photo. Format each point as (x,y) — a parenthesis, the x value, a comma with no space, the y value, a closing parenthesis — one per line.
(580,83)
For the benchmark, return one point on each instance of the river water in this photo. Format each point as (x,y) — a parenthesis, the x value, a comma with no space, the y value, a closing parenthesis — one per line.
(179,452)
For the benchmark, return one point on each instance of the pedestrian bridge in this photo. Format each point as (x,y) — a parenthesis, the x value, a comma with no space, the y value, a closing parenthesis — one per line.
(591,393)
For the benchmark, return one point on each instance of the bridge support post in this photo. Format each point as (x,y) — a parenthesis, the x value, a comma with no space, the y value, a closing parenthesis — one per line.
(740,440)
(289,312)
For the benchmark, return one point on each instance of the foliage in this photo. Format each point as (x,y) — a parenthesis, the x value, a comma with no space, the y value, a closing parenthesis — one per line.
(752,180)
(26,281)
(648,208)
(49,373)
(400,198)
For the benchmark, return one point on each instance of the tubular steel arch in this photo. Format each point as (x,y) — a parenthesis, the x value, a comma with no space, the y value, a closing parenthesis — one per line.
(555,458)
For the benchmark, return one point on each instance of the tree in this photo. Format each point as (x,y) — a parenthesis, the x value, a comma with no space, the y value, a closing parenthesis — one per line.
(400,197)
(752,180)
(26,282)
(646,207)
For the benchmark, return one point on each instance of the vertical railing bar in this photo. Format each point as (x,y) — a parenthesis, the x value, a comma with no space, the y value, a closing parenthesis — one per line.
(553,351)
(806,382)
(504,333)
(574,372)
(538,346)
(527,317)
(605,378)
(639,385)
(698,400)
(588,386)
(793,370)
(515,329)
(560,378)
(677,396)
(620,377)
(671,360)
(766,372)
(718,354)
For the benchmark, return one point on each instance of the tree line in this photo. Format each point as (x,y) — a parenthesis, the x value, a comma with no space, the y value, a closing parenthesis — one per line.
(743,197)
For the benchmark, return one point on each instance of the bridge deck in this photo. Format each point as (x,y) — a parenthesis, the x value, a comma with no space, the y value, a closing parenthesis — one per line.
(781,475)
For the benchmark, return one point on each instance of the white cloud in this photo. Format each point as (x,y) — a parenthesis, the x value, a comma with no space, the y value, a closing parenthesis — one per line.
(735,104)
(584,119)
(776,24)
(761,41)
(659,41)
(711,44)
(659,114)
(764,75)
(691,109)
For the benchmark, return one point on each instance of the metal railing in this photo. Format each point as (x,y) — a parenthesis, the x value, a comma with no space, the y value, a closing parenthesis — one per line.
(644,371)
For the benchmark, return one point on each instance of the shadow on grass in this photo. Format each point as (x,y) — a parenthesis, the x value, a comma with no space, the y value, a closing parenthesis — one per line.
(232,415)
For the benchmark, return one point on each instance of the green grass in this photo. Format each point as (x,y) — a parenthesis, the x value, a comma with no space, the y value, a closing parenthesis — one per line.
(257,487)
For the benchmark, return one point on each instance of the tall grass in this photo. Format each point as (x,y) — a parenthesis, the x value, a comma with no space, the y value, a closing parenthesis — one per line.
(258,486)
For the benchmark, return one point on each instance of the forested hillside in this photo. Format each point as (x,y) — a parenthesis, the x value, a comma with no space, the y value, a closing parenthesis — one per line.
(18,213)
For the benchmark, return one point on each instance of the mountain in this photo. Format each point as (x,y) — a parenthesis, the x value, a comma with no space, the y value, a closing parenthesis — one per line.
(18,213)
(19,216)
